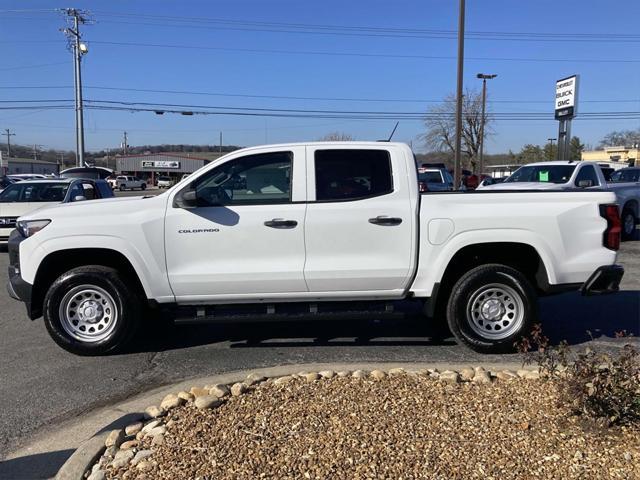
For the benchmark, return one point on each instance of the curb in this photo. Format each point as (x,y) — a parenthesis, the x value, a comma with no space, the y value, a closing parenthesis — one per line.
(132,410)
(82,459)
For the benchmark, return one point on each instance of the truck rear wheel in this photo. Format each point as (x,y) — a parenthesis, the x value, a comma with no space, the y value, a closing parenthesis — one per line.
(90,310)
(491,307)
(629,223)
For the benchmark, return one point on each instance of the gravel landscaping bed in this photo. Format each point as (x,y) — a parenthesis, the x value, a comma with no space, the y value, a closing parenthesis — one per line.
(468,424)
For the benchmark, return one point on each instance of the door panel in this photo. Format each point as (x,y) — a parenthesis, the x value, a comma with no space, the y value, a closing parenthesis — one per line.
(358,244)
(247,248)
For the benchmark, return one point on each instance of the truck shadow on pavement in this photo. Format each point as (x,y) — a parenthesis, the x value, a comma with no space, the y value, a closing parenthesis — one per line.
(564,317)
(570,316)
(41,465)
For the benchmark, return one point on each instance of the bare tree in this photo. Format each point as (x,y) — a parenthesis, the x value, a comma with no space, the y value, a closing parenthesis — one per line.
(337,137)
(627,138)
(440,122)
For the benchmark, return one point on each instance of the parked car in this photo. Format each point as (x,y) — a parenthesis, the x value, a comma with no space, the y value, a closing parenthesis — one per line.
(626,185)
(434,180)
(26,176)
(26,196)
(94,173)
(486,181)
(5,182)
(127,182)
(319,229)
(557,175)
(166,182)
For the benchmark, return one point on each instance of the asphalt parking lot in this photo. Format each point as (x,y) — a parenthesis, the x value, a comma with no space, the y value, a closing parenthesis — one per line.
(43,385)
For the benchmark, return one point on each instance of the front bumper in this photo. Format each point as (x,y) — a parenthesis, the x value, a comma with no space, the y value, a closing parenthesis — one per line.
(605,279)
(17,287)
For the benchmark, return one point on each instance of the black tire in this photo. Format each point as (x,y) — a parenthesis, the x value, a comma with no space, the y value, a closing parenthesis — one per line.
(143,186)
(126,317)
(628,218)
(121,188)
(465,323)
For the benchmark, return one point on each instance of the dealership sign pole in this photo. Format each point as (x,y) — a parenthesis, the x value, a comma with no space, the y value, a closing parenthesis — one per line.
(566,107)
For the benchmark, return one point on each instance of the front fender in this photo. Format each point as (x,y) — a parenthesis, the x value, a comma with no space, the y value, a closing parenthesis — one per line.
(150,268)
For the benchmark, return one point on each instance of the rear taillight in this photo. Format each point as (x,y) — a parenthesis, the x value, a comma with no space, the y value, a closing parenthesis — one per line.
(422,187)
(611,237)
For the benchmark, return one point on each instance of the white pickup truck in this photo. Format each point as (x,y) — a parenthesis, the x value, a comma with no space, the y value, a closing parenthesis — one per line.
(318,229)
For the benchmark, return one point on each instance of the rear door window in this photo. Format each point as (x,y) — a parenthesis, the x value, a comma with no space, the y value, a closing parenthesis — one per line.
(587,174)
(352,174)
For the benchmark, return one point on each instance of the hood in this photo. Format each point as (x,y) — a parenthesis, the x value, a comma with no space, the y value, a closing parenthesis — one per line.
(525,186)
(116,205)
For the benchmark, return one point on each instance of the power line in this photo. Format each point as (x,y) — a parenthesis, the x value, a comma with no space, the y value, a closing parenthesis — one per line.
(300,28)
(357,54)
(21,67)
(196,109)
(290,97)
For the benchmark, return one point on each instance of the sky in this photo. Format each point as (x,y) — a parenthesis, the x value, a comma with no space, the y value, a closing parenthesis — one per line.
(384,57)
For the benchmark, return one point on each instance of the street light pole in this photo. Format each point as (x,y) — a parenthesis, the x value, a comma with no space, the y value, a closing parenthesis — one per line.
(551,140)
(457,154)
(484,78)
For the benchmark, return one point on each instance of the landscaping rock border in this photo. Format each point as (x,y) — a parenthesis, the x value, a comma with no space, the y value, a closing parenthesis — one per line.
(120,447)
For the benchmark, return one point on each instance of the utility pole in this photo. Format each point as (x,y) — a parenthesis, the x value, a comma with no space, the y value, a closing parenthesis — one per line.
(457,168)
(9,135)
(484,78)
(220,149)
(35,150)
(78,49)
(125,146)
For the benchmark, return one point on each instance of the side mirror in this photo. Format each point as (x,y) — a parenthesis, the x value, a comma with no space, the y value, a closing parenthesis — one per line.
(585,183)
(79,198)
(186,199)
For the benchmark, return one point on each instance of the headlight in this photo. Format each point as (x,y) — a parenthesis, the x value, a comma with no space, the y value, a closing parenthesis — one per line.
(29,227)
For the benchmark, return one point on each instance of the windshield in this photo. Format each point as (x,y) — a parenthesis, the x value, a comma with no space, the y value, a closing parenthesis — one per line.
(430,177)
(542,173)
(34,192)
(621,176)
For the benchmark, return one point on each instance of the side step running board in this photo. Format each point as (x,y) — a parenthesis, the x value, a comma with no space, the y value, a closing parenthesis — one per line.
(286,312)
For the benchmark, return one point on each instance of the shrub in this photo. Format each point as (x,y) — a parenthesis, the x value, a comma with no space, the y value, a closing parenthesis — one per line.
(603,387)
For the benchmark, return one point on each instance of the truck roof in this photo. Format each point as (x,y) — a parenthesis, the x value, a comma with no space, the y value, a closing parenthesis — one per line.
(558,162)
(327,144)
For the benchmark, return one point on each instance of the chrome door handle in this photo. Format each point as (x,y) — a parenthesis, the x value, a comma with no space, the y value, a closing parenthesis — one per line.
(385,221)
(281,223)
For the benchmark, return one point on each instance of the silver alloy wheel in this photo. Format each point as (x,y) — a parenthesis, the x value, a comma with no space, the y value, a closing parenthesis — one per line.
(629,224)
(88,313)
(495,311)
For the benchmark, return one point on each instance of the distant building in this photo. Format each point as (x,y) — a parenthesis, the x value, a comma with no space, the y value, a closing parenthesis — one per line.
(16,166)
(150,166)
(616,157)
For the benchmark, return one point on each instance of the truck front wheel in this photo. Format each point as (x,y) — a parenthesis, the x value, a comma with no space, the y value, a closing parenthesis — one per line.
(491,307)
(90,310)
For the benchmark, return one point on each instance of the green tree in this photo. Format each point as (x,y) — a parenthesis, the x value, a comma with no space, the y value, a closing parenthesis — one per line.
(531,153)
(550,151)
(575,148)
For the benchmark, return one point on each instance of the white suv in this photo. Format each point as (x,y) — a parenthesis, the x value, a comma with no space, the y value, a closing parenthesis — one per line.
(165,182)
(126,182)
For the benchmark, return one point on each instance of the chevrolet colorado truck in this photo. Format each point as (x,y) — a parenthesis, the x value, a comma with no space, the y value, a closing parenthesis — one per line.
(327,230)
